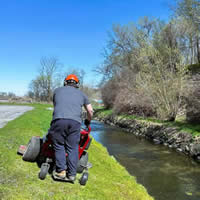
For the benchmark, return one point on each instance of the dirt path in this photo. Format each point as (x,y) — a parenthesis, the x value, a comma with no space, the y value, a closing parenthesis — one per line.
(8,113)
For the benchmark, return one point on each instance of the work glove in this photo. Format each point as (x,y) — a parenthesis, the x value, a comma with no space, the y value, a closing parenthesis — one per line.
(87,122)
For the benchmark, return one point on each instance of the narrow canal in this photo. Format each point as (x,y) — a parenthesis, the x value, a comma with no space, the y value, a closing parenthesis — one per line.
(166,174)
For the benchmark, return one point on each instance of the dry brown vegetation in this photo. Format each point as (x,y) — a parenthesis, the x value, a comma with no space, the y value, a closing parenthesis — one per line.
(145,63)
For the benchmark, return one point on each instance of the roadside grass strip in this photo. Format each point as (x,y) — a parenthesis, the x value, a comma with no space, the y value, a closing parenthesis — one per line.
(19,180)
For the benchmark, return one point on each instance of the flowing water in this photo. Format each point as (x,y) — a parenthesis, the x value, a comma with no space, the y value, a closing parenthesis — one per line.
(166,174)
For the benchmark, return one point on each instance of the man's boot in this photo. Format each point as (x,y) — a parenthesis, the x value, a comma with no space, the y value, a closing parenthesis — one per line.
(70,178)
(61,174)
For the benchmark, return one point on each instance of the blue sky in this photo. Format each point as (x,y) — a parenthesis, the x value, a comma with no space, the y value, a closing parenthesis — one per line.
(74,31)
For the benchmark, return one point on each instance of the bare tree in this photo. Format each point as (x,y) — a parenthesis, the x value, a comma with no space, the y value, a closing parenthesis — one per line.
(148,68)
(11,95)
(47,80)
(162,78)
(189,11)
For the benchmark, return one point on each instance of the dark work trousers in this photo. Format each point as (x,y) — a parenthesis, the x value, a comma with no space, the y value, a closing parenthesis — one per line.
(65,135)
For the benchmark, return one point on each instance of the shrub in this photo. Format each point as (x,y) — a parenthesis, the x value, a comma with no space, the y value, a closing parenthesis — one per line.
(133,103)
(194,68)
(163,80)
(109,92)
(193,100)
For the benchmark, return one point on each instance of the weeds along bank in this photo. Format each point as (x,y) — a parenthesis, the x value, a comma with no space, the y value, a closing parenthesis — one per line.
(19,180)
(159,133)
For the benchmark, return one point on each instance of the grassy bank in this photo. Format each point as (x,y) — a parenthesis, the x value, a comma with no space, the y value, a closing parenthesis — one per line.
(180,122)
(19,179)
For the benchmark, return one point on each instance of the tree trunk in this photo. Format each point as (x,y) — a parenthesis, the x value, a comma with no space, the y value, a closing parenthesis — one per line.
(192,51)
(198,49)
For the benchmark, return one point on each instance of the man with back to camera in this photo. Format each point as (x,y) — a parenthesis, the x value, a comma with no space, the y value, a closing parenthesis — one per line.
(65,126)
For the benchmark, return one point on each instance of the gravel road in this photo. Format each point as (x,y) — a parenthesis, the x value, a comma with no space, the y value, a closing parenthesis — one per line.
(8,113)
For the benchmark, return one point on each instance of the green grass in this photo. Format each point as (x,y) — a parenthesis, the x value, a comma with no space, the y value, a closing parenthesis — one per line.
(194,68)
(19,179)
(183,126)
(102,112)
(180,122)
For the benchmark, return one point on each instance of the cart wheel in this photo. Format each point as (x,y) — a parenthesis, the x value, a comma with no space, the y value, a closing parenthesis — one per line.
(84,178)
(43,171)
(82,163)
(32,150)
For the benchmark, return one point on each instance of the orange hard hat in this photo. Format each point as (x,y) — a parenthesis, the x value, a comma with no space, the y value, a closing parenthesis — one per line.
(72,77)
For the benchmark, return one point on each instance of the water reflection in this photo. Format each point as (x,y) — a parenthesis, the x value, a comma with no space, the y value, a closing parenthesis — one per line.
(166,174)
